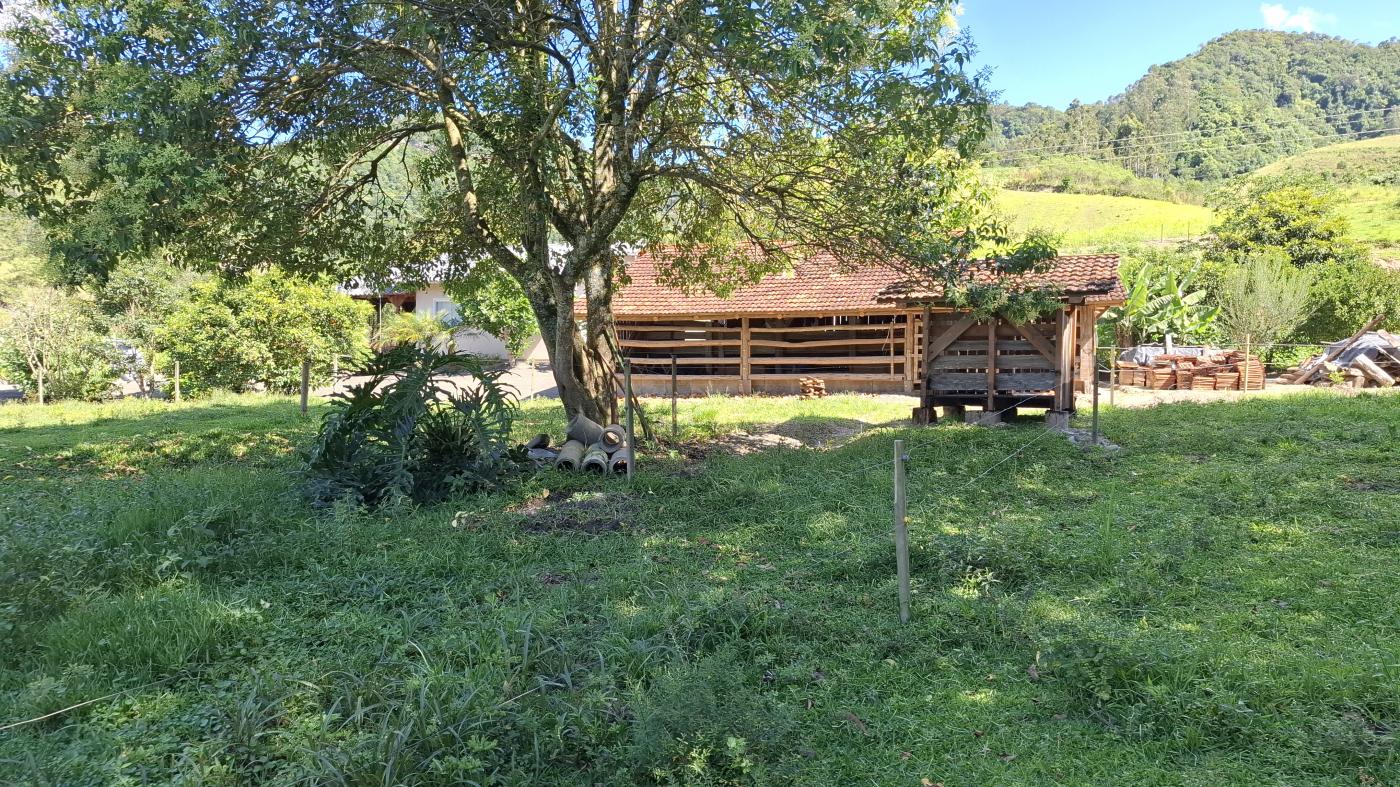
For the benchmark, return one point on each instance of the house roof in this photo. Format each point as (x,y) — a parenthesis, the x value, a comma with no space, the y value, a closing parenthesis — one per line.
(819,285)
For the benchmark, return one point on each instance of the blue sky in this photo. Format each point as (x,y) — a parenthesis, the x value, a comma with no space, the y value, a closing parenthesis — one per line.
(1054,51)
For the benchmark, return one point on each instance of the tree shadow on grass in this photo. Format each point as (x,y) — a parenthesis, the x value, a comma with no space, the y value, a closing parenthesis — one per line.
(259,433)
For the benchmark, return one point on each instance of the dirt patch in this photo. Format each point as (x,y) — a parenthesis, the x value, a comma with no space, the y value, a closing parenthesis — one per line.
(575,512)
(1374,486)
(738,444)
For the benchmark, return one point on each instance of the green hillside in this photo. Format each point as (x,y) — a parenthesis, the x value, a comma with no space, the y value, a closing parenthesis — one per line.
(1087,220)
(1241,101)
(1367,174)
(21,253)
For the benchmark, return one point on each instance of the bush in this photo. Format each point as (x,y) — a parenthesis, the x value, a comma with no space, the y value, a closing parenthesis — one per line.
(1263,299)
(241,334)
(408,433)
(52,347)
(1345,295)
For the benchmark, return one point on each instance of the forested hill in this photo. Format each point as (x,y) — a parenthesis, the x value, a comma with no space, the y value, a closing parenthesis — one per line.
(1240,102)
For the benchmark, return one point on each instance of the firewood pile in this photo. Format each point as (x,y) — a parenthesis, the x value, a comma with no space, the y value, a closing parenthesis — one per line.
(1370,358)
(1223,370)
(812,387)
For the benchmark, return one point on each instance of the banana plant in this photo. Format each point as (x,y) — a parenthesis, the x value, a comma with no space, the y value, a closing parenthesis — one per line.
(1161,301)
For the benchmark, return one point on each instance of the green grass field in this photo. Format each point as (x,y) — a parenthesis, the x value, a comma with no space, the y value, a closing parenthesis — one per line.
(1097,211)
(1084,221)
(1367,176)
(1216,603)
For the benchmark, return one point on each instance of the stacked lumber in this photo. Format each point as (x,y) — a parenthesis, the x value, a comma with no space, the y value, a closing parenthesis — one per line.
(812,387)
(1222,370)
(1370,358)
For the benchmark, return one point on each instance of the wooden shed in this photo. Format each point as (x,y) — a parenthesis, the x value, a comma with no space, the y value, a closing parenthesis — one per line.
(866,331)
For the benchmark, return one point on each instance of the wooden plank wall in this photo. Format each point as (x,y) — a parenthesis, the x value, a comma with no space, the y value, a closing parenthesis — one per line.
(988,363)
(748,354)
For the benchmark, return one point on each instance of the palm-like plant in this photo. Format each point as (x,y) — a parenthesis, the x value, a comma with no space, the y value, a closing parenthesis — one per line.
(410,432)
(1162,301)
(423,330)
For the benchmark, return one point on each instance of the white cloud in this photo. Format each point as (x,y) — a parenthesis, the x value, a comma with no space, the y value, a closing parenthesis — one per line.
(1277,17)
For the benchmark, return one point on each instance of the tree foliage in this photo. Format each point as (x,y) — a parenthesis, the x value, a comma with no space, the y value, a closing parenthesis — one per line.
(236,334)
(1263,300)
(1162,300)
(1293,216)
(1345,295)
(245,133)
(495,304)
(52,345)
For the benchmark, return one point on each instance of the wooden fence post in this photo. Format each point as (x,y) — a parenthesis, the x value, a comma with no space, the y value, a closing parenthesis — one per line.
(305,383)
(177,381)
(631,438)
(673,396)
(901,532)
(1244,379)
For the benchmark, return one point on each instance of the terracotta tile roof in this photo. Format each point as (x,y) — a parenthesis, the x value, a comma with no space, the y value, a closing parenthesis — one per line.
(818,285)
(1094,276)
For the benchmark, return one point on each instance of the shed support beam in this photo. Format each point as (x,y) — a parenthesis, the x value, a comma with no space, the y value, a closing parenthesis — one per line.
(910,364)
(745,376)
(1064,389)
(991,364)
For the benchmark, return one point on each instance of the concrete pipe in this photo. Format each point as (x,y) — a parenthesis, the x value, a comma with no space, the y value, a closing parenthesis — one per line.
(540,440)
(618,463)
(584,429)
(595,459)
(613,439)
(570,456)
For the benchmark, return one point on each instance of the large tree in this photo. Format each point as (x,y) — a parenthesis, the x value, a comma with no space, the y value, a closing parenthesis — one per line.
(534,137)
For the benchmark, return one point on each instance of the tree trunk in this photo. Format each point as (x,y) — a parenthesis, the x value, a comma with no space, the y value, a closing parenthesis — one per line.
(583,365)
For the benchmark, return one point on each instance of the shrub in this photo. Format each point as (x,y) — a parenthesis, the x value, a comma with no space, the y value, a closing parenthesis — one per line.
(239,334)
(407,432)
(52,348)
(1299,217)
(1345,295)
(399,327)
(1263,299)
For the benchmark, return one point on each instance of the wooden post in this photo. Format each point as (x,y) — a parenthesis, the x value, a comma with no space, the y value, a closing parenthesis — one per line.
(1244,373)
(926,359)
(673,396)
(1064,352)
(177,381)
(305,384)
(1112,377)
(631,439)
(1096,403)
(909,364)
(991,365)
(901,531)
(745,375)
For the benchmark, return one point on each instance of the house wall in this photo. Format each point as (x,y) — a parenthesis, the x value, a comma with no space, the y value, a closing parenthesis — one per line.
(433,299)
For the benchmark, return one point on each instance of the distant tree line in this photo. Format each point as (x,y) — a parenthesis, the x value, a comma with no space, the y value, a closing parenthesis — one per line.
(1242,101)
